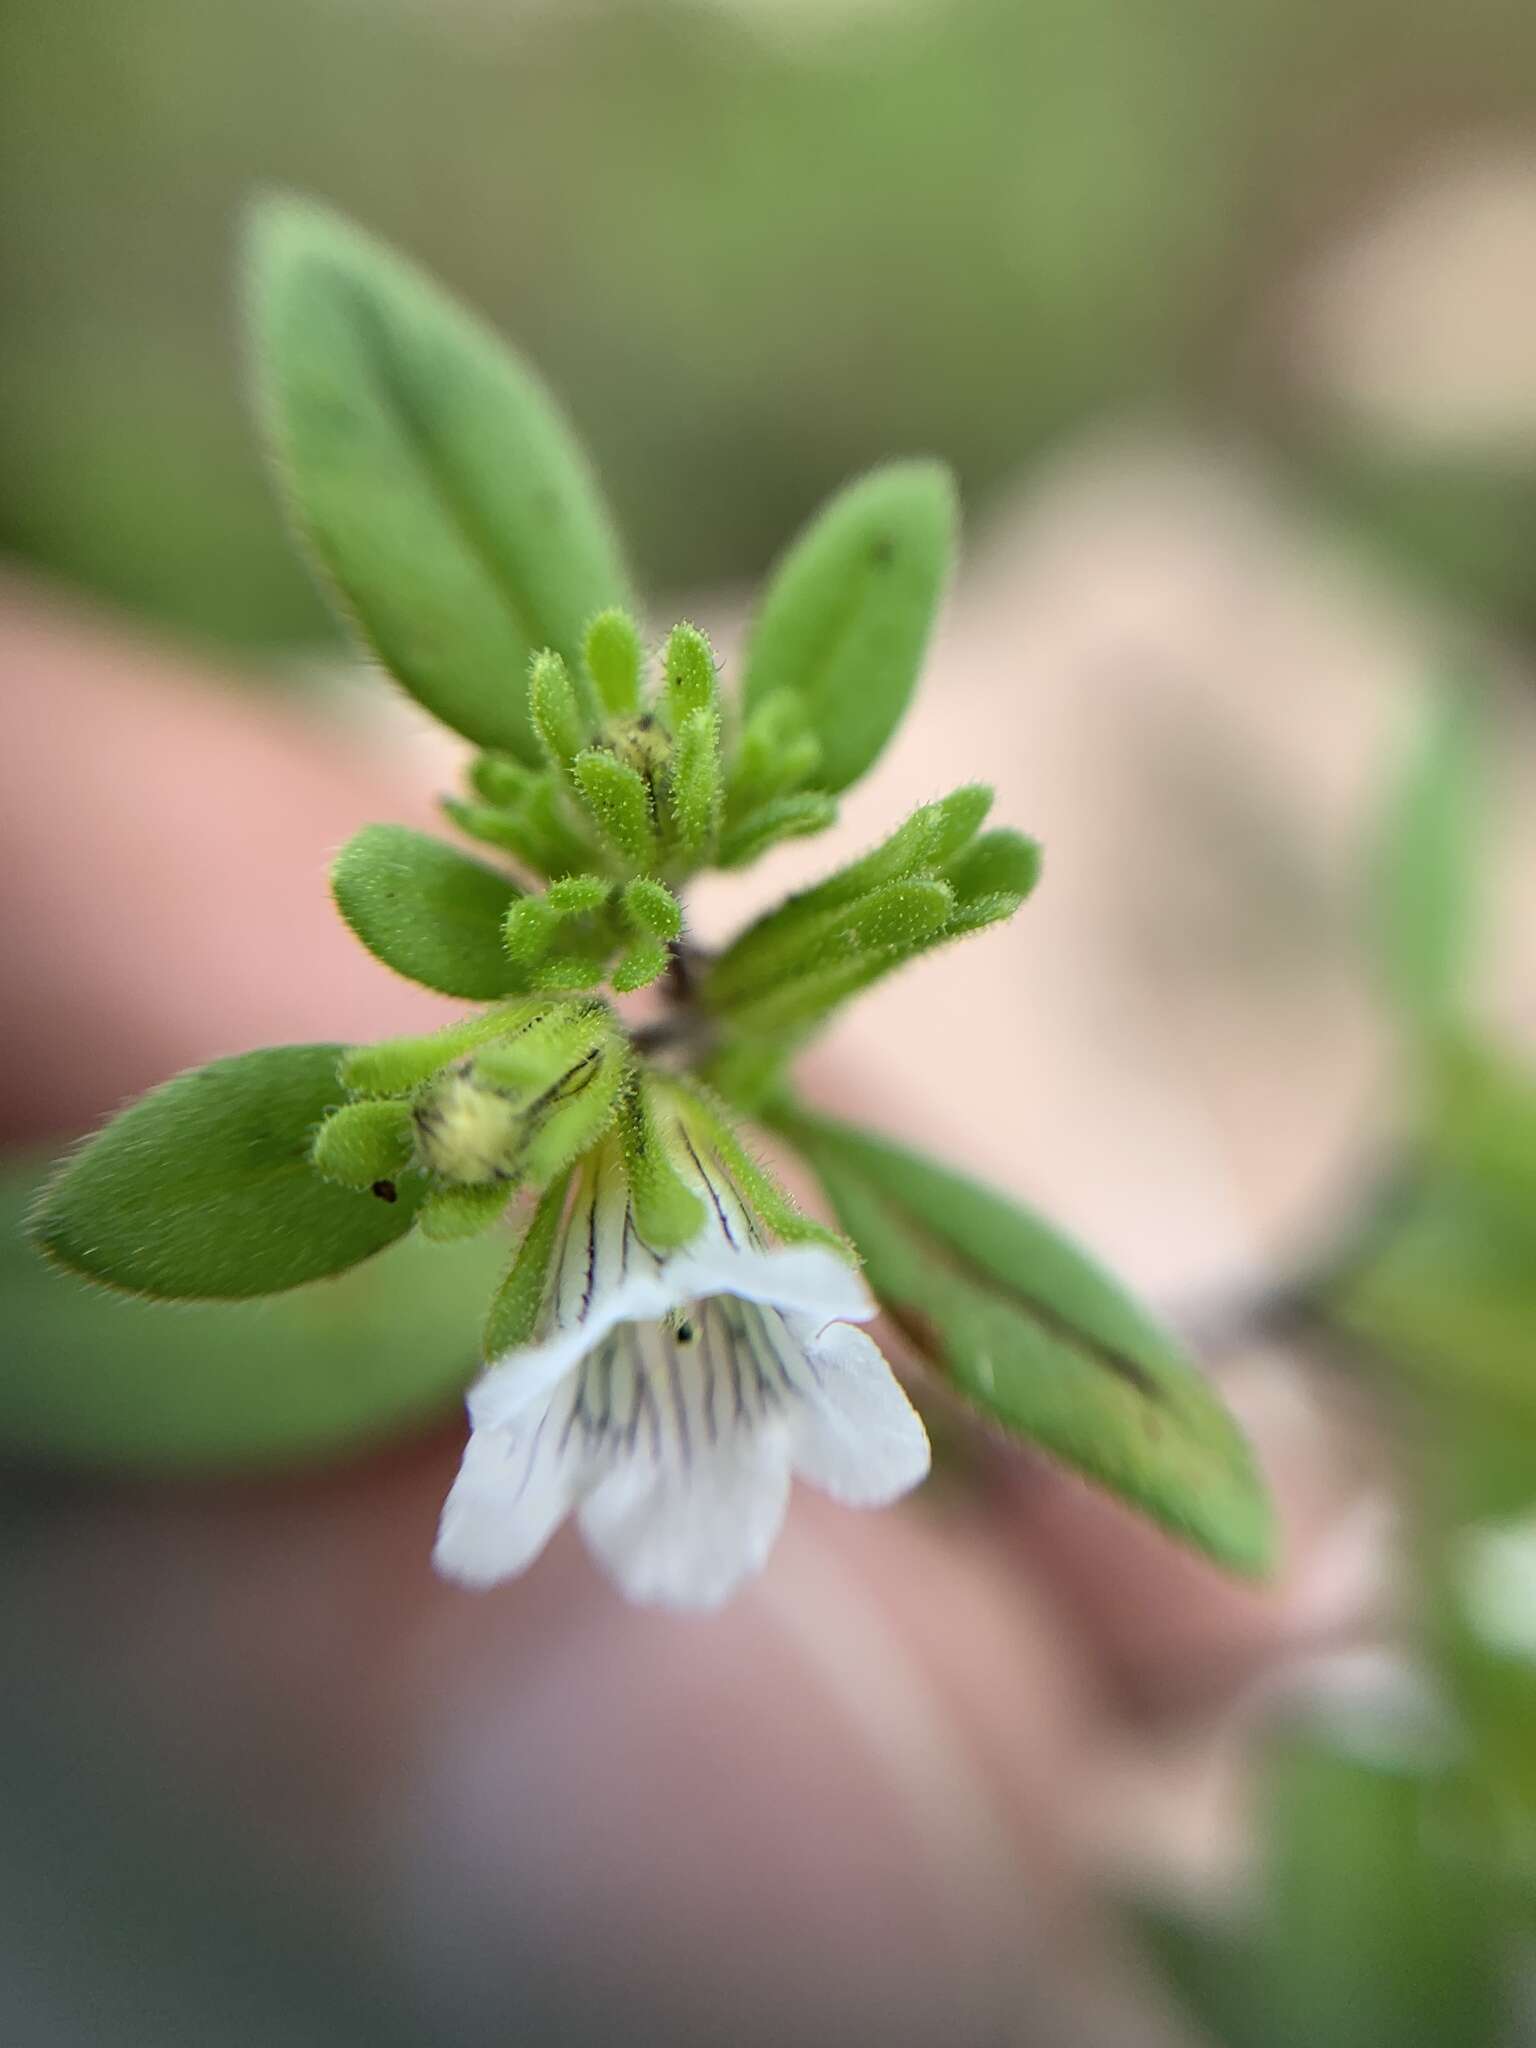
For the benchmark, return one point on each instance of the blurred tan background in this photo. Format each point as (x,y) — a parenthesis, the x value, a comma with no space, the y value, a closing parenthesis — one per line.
(1227,319)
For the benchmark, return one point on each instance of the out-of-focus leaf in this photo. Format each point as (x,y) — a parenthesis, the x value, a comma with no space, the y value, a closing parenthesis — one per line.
(846,618)
(1481,1121)
(1426,899)
(203,1188)
(1375,1938)
(427,911)
(1363,1933)
(1460,523)
(100,1379)
(1447,1294)
(439,487)
(1040,1339)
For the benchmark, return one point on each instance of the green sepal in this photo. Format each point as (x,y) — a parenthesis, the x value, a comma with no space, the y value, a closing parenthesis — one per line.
(578,1117)
(529,930)
(396,1065)
(788,1016)
(1000,863)
(934,834)
(1425,906)
(618,804)
(364,1142)
(695,787)
(522,1107)
(556,711)
(570,973)
(1040,1339)
(537,1061)
(439,487)
(615,660)
(882,928)
(759,1189)
(689,682)
(536,830)
(652,909)
(450,1213)
(501,779)
(776,753)
(514,1311)
(848,611)
(203,1189)
(426,911)
(639,965)
(787,817)
(992,879)
(575,895)
(667,1212)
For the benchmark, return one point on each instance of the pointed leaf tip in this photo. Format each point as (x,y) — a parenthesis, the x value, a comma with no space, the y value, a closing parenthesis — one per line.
(847,614)
(441,491)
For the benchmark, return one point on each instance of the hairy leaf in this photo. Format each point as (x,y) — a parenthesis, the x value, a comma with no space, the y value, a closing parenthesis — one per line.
(440,489)
(203,1189)
(427,911)
(846,618)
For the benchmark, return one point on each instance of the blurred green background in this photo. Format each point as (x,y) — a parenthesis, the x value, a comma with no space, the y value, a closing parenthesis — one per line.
(760,246)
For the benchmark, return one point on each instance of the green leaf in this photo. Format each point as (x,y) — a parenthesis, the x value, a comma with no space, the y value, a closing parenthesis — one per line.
(556,711)
(428,912)
(619,804)
(451,1213)
(689,682)
(98,1378)
(1426,899)
(694,786)
(1035,1335)
(615,660)
(203,1189)
(364,1143)
(440,489)
(667,1211)
(847,614)
(396,1065)
(787,817)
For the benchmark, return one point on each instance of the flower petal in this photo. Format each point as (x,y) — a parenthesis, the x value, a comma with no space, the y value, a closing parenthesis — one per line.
(629,1287)
(857,1437)
(514,1488)
(687,1535)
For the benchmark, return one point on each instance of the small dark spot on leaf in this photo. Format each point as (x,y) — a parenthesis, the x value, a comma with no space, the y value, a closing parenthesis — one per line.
(386,1191)
(881,550)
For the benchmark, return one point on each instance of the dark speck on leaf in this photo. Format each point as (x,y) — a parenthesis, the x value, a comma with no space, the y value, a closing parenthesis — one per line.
(882,550)
(386,1191)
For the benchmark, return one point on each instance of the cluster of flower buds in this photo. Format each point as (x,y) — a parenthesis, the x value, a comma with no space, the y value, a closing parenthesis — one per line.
(672,1340)
(637,791)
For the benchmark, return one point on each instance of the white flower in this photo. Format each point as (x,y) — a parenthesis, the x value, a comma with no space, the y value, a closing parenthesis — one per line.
(667,1399)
